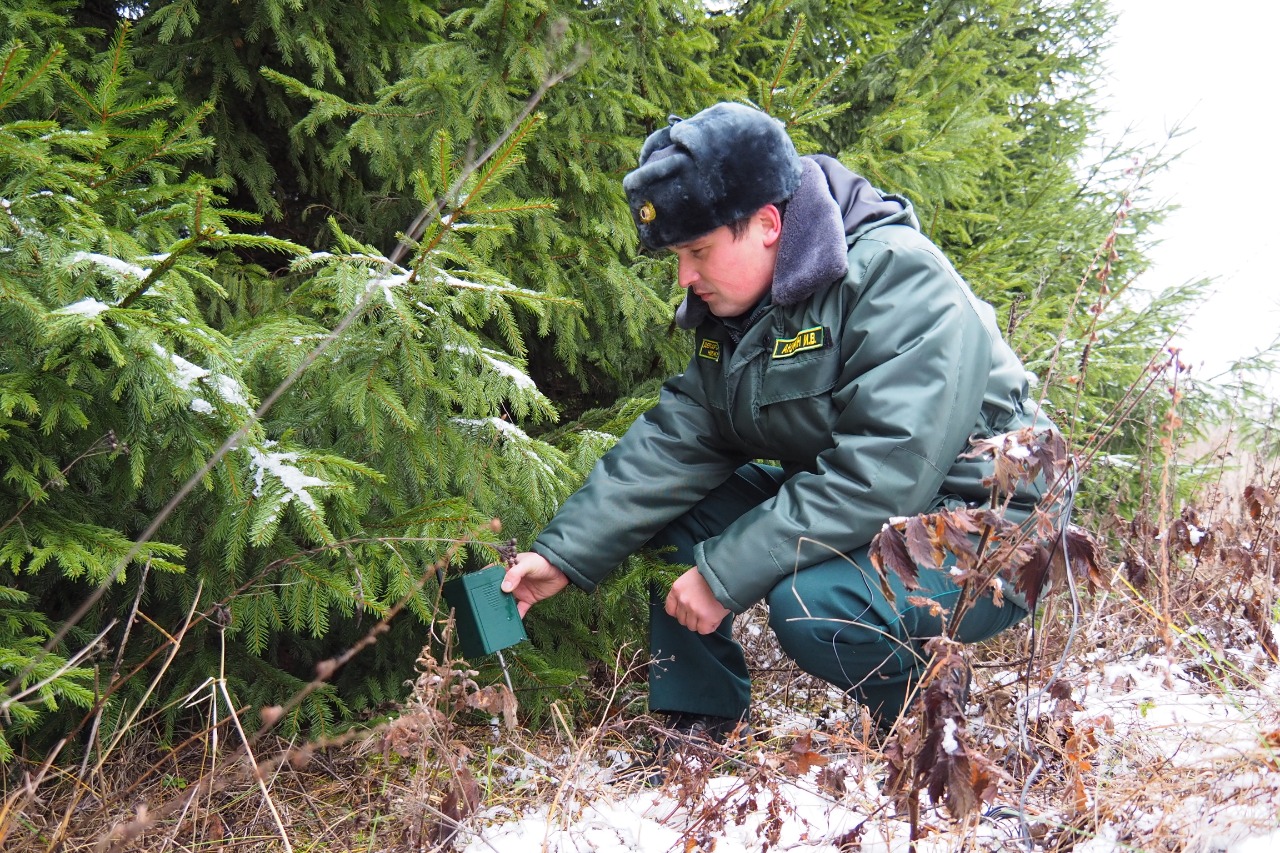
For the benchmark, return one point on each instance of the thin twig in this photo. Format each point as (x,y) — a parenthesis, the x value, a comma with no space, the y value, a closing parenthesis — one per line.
(257,772)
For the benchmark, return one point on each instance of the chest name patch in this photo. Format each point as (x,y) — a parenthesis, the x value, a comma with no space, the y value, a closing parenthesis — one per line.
(804,341)
(709,349)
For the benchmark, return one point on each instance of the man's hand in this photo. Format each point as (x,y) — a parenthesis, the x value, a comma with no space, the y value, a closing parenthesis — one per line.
(693,605)
(531,578)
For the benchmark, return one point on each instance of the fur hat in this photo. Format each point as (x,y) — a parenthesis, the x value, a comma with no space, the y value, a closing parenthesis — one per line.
(714,168)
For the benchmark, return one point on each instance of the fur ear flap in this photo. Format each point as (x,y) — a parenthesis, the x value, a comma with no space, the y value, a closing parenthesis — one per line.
(712,169)
(660,138)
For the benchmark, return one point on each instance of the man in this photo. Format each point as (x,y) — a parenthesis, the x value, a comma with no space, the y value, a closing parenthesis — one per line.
(833,337)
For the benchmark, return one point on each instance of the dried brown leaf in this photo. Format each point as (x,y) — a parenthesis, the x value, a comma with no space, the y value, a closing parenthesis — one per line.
(833,779)
(852,840)
(935,608)
(1031,576)
(1257,499)
(966,520)
(996,585)
(802,757)
(1086,557)
(496,700)
(956,532)
(217,830)
(461,800)
(1048,453)
(923,536)
(1006,469)
(888,551)
(1059,689)
(1022,456)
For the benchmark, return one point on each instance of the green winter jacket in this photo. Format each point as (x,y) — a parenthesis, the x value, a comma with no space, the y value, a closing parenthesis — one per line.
(863,373)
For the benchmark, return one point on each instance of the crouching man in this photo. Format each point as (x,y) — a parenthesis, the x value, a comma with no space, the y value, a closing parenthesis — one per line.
(832,337)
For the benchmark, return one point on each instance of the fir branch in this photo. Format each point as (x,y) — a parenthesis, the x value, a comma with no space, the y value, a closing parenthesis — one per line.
(784,61)
(12,92)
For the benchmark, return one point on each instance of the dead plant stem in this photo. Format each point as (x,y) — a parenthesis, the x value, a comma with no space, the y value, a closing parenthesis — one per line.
(175,644)
(257,771)
(1166,512)
(115,666)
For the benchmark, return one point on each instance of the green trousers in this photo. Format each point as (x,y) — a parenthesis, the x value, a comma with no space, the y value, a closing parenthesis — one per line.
(832,618)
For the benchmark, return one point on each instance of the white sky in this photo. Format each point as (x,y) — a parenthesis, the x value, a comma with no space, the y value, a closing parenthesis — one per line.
(1213,68)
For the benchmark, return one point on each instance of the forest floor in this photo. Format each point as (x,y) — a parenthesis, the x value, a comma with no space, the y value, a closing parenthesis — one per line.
(1141,717)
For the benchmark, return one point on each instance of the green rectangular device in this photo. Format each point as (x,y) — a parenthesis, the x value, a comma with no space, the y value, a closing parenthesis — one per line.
(485,617)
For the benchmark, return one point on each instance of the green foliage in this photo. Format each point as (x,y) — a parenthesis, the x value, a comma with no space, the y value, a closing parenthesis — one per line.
(597,338)
(359,216)
(138,336)
(41,681)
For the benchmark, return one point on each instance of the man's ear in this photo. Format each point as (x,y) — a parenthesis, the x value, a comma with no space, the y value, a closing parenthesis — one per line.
(770,219)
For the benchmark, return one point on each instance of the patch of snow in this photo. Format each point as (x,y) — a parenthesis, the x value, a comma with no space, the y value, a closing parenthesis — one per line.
(496,423)
(1013,450)
(1265,843)
(493,360)
(279,465)
(230,390)
(1146,711)
(87,307)
(386,283)
(120,268)
(653,821)
(950,745)
(1117,461)
(511,431)
(184,373)
(451,280)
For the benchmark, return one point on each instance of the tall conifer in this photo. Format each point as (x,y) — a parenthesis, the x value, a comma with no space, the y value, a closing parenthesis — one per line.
(195,195)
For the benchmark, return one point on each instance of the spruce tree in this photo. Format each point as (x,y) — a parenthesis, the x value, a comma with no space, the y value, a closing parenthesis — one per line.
(196,196)
(137,343)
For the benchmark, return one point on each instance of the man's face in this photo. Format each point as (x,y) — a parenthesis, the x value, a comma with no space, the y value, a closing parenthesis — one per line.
(732,274)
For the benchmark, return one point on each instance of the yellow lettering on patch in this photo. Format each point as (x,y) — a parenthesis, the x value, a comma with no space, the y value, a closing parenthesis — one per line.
(806,339)
(709,349)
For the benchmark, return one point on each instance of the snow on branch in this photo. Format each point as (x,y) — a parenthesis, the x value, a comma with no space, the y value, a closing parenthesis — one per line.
(279,465)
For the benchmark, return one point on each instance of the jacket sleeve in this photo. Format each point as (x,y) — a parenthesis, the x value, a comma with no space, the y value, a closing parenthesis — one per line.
(665,463)
(916,357)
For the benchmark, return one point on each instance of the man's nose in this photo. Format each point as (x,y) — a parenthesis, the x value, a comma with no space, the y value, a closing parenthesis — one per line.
(686,275)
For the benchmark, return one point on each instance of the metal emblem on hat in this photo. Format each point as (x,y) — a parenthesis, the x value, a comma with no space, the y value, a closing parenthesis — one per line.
(647,213)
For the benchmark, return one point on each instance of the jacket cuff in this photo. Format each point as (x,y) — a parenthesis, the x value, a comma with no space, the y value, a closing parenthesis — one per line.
(713,580)
(575,577)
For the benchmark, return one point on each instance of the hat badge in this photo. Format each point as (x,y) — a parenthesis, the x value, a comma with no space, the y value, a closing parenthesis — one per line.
(646,213)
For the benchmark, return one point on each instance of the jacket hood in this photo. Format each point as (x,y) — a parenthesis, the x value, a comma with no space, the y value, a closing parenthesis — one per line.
(862,206)
(831,207)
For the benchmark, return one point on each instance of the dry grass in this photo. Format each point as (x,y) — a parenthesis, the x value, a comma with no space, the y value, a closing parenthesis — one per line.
(1074,713)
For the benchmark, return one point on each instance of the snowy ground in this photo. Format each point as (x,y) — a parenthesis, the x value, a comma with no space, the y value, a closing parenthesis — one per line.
(1209,771)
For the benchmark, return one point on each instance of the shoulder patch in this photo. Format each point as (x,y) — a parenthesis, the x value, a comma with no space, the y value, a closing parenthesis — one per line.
(805,340)
(709,349)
